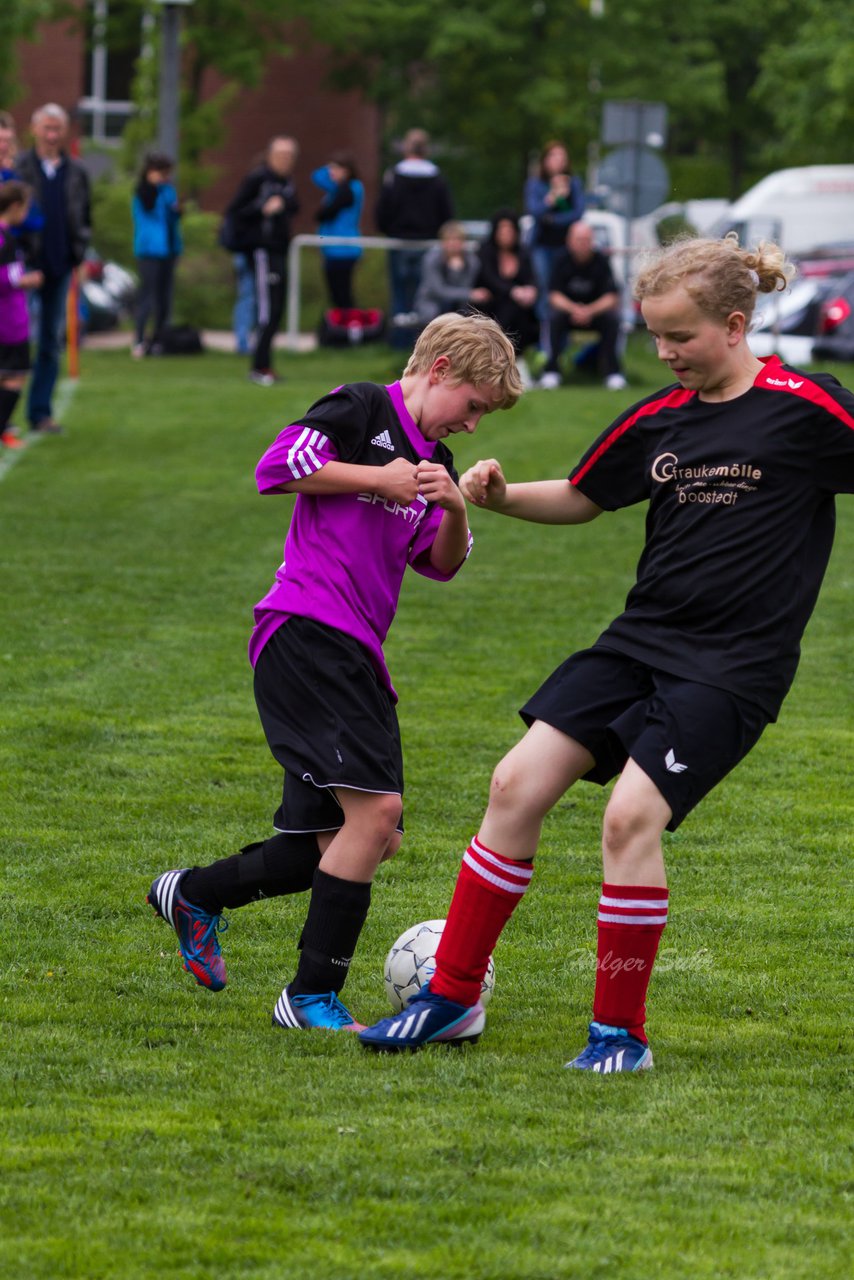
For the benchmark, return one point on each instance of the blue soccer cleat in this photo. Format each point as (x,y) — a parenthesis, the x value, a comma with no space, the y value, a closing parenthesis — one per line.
(303,1012)
(428,1019)
(612,1049)
(196,929)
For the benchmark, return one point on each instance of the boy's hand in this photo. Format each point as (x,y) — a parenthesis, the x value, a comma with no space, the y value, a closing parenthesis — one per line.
(436,485)
(398,481)
(484,484)
(31,280)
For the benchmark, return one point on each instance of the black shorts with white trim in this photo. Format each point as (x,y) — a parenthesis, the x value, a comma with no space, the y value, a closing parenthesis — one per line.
(685,736)
(328,720)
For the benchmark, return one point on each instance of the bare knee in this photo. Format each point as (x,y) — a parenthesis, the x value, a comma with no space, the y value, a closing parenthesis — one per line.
(624,827)
(392,846)
(508,790)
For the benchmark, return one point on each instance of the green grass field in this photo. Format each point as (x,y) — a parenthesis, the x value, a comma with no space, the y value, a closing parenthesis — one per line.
(152,1129)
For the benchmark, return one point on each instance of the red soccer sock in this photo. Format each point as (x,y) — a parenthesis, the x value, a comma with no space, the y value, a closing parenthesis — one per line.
(631,922)
(489,887)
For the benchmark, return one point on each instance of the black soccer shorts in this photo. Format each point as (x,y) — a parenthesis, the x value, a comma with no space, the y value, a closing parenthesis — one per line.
(328,720)
(685,736)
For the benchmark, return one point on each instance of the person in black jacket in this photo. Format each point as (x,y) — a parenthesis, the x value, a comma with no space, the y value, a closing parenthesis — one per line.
(415,201)
(506,275)
(261,212)
(61,187)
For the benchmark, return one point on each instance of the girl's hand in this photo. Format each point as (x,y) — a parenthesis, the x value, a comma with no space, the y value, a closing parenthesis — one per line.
(484,484)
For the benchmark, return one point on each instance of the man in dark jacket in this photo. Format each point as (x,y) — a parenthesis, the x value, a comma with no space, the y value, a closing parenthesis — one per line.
(414,203)
(261,213)
(583,294)
(61,187)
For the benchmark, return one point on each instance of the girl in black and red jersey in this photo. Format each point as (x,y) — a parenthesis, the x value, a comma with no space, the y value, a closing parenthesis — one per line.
(739,460)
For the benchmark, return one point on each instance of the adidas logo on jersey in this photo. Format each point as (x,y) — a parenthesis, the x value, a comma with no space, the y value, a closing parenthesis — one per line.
(384,441)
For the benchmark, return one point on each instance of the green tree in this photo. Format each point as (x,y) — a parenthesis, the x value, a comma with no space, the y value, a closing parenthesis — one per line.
(18,21)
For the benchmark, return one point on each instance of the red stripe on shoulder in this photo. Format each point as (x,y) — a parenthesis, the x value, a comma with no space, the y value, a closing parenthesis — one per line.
(779,379)
(672,401)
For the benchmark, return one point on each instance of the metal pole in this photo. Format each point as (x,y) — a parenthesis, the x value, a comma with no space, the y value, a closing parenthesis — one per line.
(170,80)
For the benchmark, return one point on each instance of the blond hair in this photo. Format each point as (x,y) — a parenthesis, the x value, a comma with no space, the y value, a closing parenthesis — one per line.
(718,275)
(478,350)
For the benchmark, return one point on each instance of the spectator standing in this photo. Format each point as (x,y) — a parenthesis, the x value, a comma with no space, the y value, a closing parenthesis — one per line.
(8,154)
(584,295)
(340,214)
(415,201)
(506,273)
(448,276)
(555,199)
(157,244)
(14,319)
(261,212)
(61,190)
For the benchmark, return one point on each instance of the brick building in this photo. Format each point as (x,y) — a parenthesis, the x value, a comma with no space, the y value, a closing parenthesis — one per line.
(93,82)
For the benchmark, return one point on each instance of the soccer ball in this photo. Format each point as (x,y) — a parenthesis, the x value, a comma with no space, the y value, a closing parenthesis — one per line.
(412,962)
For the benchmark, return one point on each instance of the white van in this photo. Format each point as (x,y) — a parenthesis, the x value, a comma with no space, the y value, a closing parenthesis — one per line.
(801,209)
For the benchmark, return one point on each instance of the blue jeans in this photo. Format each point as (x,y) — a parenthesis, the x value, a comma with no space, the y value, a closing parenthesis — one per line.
(404,266)
(47,313)
(243,315)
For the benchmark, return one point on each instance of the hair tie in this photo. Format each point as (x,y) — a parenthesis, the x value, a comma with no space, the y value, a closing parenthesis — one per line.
(754,277)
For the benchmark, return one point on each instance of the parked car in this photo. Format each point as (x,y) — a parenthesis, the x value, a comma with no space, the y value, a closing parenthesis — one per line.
(799,208)
(835,340)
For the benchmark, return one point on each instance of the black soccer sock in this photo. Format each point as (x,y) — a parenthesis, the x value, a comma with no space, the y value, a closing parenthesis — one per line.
(268,869)
(336,914)
(8,400)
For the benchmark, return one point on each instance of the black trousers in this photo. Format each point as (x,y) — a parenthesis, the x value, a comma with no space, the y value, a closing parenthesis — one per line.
(156,276)
(606,324)
(270,271)
(339,281)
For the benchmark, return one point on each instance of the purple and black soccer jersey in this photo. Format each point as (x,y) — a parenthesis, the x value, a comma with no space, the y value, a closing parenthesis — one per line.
(739,528)
(14,321)
(346,554)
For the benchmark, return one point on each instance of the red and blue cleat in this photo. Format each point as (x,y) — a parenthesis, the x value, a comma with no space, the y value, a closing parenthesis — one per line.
(196,929)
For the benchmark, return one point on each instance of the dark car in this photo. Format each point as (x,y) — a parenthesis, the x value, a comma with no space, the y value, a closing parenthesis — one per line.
(835,339)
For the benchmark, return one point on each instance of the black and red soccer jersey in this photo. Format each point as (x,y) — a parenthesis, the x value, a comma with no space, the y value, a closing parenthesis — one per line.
(739,528)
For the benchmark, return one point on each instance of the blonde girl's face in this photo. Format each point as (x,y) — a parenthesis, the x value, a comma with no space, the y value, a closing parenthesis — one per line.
(700,351)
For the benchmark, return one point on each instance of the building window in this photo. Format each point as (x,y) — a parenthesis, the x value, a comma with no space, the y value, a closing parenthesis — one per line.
(113,38)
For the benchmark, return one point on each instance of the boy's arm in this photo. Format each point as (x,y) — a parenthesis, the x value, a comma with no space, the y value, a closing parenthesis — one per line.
(541,501)
(452,541)
(396,481)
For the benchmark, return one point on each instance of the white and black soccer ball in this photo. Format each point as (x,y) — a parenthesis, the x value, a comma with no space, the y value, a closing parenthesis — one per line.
(412,962)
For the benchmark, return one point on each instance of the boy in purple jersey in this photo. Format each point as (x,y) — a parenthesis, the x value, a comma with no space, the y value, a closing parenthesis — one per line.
(15,279)
(740,461)
(376,491)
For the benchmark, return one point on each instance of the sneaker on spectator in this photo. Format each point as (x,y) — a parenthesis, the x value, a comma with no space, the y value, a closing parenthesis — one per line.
(615,382)
(11,440)
(549,381)
(263,378)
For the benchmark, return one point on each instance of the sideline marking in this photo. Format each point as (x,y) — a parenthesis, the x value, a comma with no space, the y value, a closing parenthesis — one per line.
(64,395)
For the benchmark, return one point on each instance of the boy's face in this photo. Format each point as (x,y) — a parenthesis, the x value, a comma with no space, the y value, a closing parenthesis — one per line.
(449,407)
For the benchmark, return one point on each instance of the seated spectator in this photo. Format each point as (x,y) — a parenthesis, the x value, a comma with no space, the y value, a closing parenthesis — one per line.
(448,276)
(339,215)
(584,295)
(506,273)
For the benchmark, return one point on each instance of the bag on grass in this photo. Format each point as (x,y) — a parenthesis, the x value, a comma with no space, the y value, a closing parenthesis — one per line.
(181,340)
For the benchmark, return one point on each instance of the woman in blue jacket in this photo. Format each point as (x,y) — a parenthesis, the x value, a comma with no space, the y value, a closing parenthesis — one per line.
(554,197)
(339,215)
(157,246)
